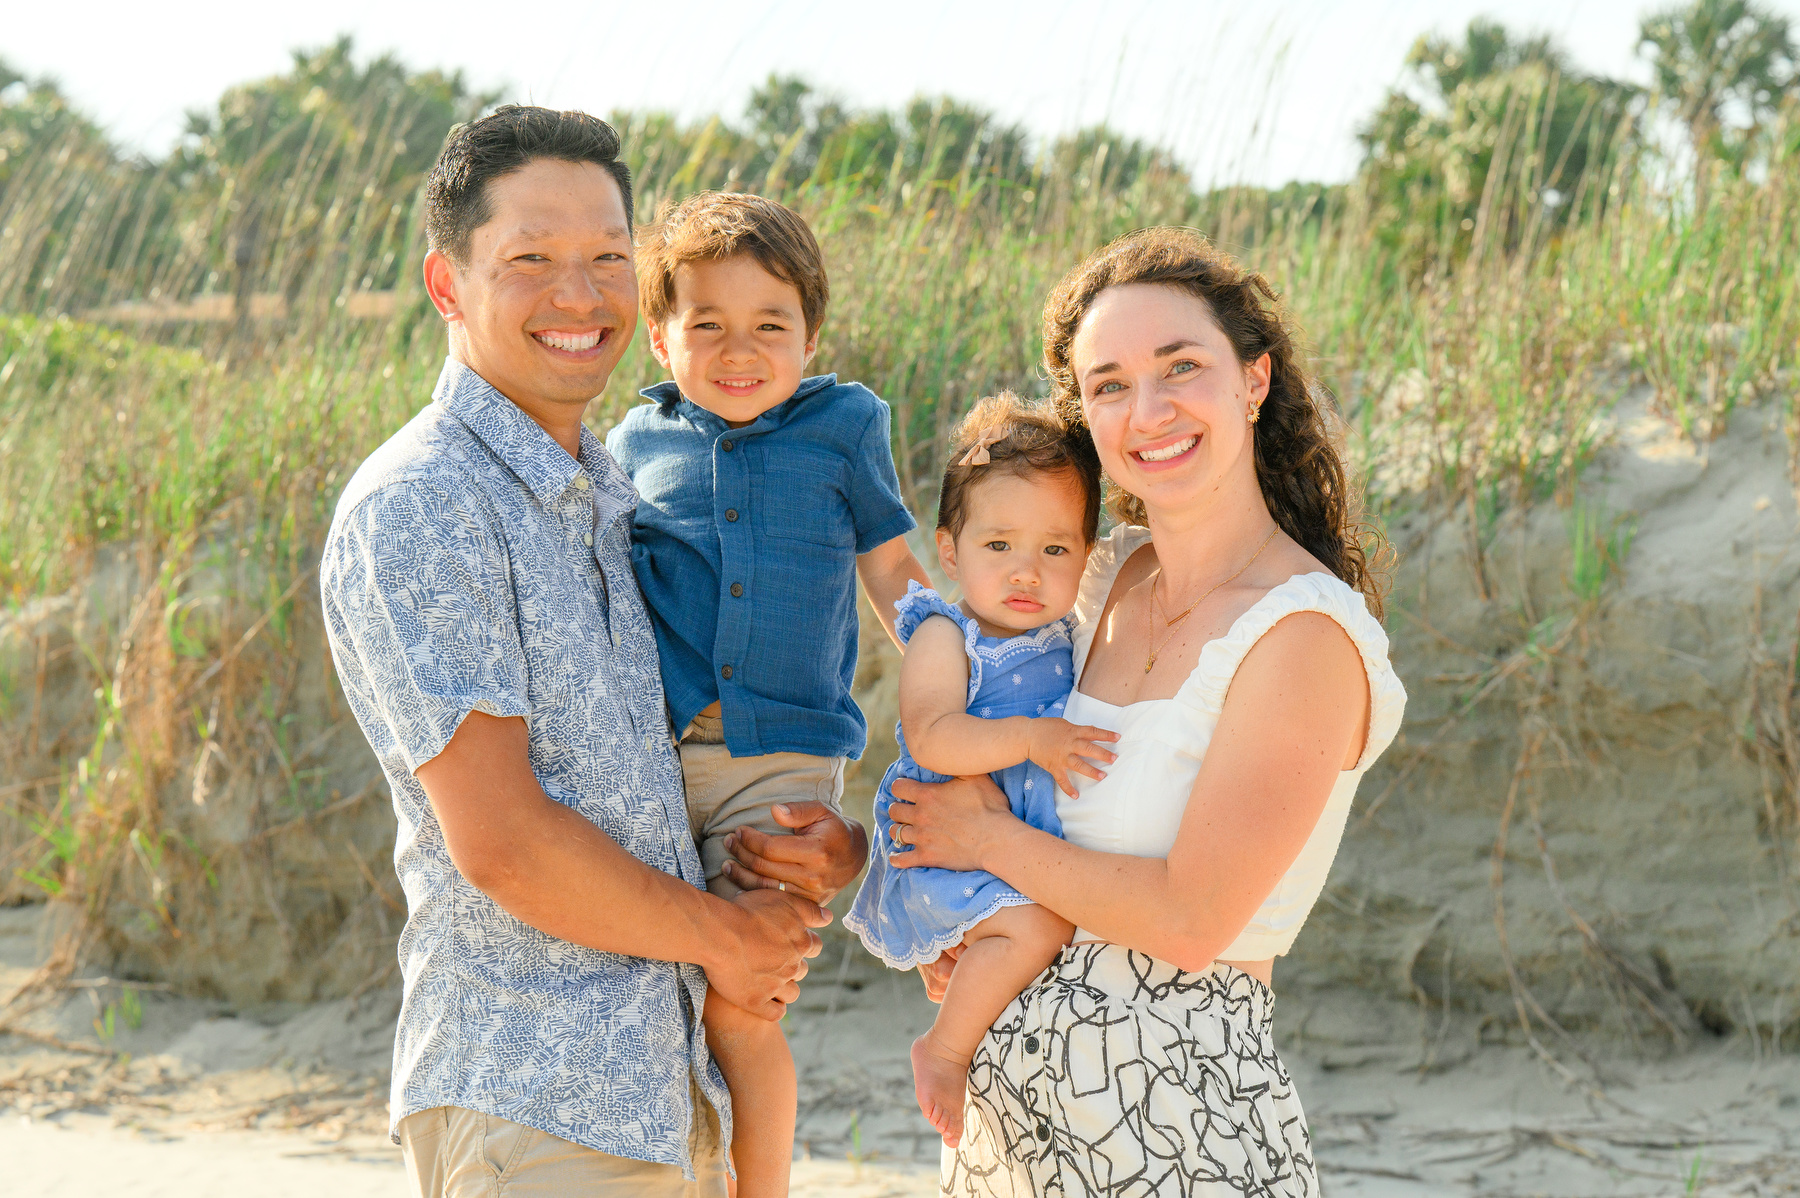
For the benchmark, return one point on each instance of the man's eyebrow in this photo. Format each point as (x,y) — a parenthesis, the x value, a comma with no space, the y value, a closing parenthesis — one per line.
(616,231)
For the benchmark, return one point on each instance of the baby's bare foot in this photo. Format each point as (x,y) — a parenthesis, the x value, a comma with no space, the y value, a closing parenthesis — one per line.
(940,1082)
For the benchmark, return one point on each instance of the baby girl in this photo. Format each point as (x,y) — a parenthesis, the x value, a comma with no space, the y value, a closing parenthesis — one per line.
(982,690)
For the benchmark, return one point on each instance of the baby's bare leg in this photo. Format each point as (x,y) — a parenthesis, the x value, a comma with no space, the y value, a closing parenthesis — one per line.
(759,1071)
(1001,956)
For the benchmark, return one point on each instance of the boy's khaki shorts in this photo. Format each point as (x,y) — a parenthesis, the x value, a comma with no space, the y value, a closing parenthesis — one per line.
(725,793)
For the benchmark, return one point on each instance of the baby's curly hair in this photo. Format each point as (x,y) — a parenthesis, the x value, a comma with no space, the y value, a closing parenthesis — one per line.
(1020,437)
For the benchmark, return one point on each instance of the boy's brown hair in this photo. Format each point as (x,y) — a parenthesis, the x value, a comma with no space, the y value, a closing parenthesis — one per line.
(712,225)
(1015,436)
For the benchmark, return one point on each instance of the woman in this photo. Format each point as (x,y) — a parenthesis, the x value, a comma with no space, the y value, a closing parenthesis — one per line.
(1226,636)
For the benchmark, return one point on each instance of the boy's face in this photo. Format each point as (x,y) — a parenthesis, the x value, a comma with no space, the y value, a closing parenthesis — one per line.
(736,342)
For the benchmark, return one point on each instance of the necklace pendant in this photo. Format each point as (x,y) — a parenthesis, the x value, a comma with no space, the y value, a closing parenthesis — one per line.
(1148,662)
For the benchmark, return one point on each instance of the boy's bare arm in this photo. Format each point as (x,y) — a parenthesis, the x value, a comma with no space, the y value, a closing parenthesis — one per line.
(885,570)
(550,868)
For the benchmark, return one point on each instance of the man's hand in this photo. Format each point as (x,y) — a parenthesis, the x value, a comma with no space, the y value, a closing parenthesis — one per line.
(759,965)
(824,854)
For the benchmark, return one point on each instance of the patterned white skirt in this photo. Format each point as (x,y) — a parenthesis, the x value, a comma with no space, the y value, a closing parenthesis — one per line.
(1117,1074)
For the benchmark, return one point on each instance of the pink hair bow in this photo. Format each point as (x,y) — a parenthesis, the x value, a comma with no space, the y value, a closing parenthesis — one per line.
(978,452)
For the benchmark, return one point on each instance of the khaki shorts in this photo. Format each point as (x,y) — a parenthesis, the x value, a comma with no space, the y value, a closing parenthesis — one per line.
(455,1153)
(725,793)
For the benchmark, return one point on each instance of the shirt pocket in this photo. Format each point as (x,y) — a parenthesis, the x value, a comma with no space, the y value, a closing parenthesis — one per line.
(803,497)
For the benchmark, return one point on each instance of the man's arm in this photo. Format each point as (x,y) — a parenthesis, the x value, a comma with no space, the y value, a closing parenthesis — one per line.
(552,869)
(885,570)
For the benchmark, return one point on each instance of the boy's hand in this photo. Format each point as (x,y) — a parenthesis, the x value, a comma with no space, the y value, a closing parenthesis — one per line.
(1064,748)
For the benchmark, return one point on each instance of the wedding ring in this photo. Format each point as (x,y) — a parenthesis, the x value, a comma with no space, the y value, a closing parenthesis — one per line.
(781,886)
(894,833)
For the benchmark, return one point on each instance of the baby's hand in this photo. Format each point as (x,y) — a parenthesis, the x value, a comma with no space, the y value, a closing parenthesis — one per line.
(1064,748)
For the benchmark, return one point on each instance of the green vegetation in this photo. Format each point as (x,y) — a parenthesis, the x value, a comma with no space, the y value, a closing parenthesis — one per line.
(1514,249)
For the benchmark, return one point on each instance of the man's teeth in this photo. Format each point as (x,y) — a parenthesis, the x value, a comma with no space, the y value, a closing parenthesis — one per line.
(570,341)
(1167,451)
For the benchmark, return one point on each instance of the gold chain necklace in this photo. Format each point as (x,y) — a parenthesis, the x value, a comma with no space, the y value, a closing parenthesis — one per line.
(1169,624)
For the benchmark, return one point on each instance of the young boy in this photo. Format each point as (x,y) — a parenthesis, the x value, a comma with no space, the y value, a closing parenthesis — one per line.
(762,496)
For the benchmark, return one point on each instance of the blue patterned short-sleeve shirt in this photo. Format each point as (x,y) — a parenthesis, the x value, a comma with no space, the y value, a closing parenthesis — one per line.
(473,565)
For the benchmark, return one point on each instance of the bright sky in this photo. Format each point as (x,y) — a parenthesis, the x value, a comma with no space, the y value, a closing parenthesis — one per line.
(1258,93)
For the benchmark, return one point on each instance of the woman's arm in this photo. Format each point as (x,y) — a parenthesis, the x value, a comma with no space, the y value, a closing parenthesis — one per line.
(943,736)
(1289,725)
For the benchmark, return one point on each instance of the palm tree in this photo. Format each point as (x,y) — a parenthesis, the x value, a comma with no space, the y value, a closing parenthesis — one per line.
(1713,55)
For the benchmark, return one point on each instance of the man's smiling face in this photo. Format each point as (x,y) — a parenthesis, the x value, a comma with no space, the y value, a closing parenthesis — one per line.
(547,301)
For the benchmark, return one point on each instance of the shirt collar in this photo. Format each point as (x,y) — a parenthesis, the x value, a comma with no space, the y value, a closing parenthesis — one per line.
(669,398)
(532,454)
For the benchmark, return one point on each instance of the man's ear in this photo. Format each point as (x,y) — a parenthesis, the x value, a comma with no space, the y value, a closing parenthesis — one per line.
(659,344)
(946,547)
(441,285)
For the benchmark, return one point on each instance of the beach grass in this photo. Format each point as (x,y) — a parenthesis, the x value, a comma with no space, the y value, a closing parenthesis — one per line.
(193,463)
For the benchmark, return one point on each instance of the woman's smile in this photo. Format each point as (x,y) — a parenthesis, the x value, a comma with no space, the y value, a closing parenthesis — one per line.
(1168,453)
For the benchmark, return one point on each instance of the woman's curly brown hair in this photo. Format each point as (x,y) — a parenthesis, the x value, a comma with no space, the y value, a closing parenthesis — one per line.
(1297,463)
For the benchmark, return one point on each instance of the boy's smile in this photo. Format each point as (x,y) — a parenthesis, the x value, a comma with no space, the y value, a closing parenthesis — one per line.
(736,340)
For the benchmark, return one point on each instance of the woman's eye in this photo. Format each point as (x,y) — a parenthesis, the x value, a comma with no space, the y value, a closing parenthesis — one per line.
(1110,387)
(998,546)
(1184,367)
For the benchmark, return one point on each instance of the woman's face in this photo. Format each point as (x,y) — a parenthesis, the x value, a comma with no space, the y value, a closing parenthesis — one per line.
(1165,395)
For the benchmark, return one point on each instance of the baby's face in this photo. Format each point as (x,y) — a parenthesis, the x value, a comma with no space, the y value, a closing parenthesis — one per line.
(736,341)
(1021,551)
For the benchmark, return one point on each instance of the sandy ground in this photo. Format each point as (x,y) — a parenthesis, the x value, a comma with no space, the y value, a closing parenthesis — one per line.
(200,1101)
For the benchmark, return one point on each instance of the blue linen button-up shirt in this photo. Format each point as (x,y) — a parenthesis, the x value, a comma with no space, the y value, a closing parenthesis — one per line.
(745,543)
(473,565)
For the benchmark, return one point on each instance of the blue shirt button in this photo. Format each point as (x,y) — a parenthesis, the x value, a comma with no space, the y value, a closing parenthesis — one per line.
(737,592)
(726,445)
(725,671)
(731,515)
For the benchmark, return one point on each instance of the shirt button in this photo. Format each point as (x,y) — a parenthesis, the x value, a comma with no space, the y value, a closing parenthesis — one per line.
(587,538)
(581,484)
(725,671)
(731,515)
(725,445)
(737,590)
(1031,1044)
(1043,1133)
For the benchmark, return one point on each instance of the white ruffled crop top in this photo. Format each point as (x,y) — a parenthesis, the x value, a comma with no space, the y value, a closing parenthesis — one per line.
(1136,809)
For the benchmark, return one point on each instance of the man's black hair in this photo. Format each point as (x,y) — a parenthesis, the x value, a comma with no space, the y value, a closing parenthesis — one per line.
(496,145)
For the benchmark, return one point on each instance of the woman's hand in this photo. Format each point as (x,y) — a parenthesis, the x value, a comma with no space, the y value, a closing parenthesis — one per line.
(948,824)
(1063,748)
(824,854)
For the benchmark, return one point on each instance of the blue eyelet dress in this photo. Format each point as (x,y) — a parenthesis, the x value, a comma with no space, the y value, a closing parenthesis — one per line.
(908,916)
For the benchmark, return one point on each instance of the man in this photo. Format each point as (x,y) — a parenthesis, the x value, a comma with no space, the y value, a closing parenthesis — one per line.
(495,650)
